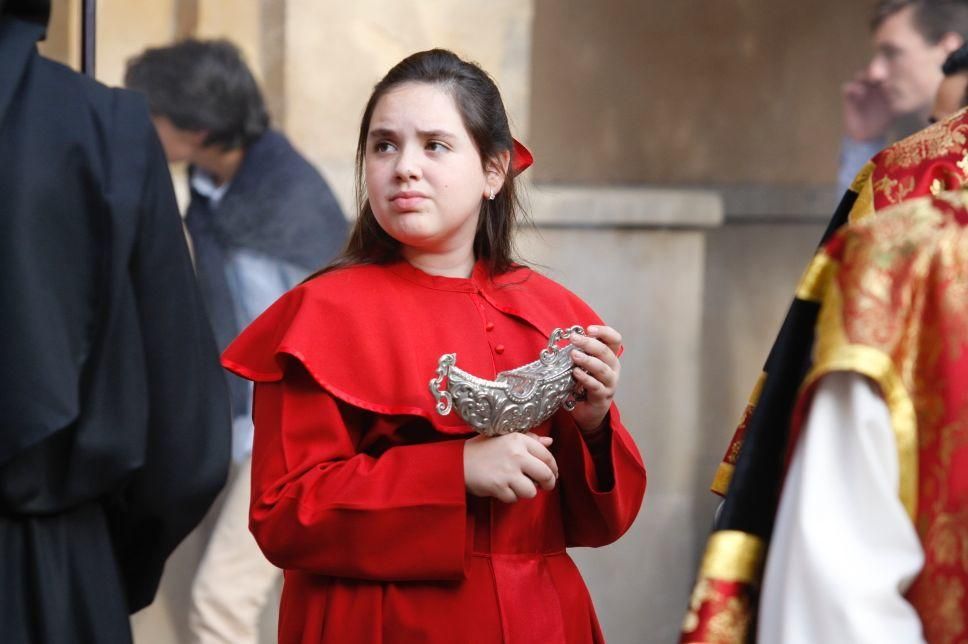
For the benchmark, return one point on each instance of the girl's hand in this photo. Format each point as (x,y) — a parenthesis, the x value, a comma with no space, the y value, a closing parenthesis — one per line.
(597,369)
(509,467)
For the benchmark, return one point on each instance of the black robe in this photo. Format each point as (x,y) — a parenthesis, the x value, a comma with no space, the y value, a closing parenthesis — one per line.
(114,425)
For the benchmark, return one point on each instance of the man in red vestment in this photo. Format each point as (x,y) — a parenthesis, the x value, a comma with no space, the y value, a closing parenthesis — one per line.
(928,162)
(872,526)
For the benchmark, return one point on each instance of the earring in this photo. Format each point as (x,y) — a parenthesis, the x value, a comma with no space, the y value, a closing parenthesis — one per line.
(490,197)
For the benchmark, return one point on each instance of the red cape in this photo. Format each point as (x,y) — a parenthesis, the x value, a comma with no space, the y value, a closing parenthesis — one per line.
(372,335)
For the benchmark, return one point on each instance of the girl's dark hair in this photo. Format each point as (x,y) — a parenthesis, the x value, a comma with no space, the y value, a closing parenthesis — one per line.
(482,112)
(202,85)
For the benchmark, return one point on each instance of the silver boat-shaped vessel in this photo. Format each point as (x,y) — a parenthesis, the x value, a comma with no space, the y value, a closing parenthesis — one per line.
(516,400)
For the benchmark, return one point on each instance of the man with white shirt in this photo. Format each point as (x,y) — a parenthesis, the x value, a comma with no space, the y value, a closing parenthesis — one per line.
(892,96)
(261,218)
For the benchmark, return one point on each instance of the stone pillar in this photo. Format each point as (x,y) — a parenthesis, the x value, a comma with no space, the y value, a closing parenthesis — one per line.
(239,22)
(125,29)
(636,255)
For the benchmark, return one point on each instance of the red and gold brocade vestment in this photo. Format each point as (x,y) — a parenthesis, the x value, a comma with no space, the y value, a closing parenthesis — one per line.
(928,162)
(894,308)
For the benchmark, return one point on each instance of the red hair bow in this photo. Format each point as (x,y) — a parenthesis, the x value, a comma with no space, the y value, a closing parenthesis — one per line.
(521,158)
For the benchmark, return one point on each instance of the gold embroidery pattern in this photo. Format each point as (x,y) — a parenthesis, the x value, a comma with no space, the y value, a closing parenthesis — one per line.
(950,199)
(894,190)
(940,603)
(935,157)
(701,594)
(934,141)
(939,592)
(715,616)
(878,281)
(724,473)
(963,164)
(730,625)
(721,605)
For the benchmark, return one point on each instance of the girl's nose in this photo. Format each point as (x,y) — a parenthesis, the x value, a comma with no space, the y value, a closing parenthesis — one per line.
(407,166)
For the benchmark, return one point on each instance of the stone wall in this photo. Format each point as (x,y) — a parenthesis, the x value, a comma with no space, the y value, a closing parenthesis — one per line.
(641,266)
(692,91)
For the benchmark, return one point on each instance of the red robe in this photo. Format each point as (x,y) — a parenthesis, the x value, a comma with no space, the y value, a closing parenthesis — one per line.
(358,485)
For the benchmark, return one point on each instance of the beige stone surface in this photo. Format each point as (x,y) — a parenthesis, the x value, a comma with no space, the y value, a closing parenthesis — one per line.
(240,22)
(648,284)
(582,206)
(125,29)
(692,91)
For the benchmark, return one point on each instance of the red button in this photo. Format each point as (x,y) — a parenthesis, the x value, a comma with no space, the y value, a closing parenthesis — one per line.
(499,349)
(489,326)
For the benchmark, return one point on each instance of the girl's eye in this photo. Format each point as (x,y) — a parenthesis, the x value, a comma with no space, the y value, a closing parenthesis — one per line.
(383,146)
(436,146)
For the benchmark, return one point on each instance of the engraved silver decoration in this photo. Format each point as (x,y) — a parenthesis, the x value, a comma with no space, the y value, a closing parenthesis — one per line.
(516,400)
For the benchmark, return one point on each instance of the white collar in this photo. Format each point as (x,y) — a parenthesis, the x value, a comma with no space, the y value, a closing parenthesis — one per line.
(204,185)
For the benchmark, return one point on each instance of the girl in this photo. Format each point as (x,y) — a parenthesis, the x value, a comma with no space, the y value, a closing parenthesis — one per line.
(392,523)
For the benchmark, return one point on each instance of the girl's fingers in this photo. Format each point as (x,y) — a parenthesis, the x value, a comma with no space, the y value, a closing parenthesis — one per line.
(523,487)
(505,494)
(607,335)
(595,367)
(540,473)
(593,387)
(544,440)
(541,452)
(597,348)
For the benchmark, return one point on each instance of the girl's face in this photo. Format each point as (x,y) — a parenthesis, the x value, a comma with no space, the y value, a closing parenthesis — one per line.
(424,177)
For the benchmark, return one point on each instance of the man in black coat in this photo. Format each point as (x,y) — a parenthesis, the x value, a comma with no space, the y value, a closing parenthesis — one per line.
(114,418)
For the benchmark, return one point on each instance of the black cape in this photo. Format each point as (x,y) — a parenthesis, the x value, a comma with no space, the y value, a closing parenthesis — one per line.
(750,505)
(277,206)
(114,426)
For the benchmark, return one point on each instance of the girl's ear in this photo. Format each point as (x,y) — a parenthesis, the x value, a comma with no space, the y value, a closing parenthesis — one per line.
(496,171)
